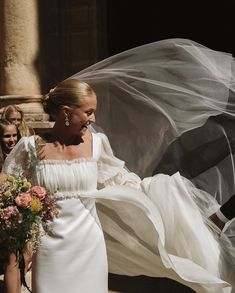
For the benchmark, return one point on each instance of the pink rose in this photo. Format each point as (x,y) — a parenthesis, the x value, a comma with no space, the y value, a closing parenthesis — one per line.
(38,191)
(24,199)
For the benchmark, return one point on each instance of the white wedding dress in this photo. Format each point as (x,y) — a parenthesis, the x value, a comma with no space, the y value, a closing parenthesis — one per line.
(144,227)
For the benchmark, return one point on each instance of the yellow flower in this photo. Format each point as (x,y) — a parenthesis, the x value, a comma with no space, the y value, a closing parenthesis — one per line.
(13,185)
(10,178)
(35,205)
(25,184)
(7,193)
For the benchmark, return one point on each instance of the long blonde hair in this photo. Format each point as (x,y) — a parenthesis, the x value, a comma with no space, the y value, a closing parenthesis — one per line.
(24,129)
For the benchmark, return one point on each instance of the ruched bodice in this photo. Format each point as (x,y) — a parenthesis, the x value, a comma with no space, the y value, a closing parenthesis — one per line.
(68,176)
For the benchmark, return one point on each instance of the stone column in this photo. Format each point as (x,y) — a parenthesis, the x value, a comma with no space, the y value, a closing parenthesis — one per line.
(19,47)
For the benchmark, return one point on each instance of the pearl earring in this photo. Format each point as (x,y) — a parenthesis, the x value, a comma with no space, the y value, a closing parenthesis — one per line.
(66,121)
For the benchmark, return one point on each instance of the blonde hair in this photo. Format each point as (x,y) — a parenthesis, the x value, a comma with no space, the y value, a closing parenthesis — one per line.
(67,93)
(23,128)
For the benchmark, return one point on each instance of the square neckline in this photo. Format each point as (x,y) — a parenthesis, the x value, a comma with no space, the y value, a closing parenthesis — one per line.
(93,157)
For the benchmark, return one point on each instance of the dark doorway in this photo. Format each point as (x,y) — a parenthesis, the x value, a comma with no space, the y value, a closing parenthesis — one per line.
(134,23)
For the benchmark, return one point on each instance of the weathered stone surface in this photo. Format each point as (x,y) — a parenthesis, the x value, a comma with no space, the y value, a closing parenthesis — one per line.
(19,47)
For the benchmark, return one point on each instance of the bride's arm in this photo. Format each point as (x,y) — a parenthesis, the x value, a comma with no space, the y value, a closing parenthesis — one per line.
(111,170)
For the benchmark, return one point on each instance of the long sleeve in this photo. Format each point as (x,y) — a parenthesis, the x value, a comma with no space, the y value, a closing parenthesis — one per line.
(111,170)
(18,161)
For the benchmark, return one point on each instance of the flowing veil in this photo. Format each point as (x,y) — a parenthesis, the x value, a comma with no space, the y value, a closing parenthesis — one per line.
(169,106)
(150,95)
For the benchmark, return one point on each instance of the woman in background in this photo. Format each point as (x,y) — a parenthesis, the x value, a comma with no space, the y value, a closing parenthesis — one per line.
(8,139)
(8,264)
(15,114)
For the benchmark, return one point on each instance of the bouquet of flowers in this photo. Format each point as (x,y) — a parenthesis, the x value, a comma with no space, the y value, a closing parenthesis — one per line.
(25,213)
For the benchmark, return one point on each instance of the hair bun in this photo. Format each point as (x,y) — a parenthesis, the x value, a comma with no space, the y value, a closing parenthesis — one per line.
(46,102)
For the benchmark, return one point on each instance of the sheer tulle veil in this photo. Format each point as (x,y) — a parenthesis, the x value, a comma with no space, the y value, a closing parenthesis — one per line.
(172,97)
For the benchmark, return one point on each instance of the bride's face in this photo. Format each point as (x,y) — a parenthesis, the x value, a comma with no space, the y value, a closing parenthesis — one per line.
(84,115)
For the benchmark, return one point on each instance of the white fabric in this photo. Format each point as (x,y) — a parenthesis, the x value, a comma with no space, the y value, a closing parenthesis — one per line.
(73,258)
(152,226)
(149,95)
(221,216)
(162,103)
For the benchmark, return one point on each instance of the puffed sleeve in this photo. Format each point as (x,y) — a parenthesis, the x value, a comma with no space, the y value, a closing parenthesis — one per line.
(111,170)
(18,160)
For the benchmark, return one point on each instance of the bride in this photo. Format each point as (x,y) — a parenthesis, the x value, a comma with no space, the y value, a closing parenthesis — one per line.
(141,224)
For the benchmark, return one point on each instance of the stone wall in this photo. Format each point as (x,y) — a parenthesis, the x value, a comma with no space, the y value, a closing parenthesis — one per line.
(19,48)
(42,43)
